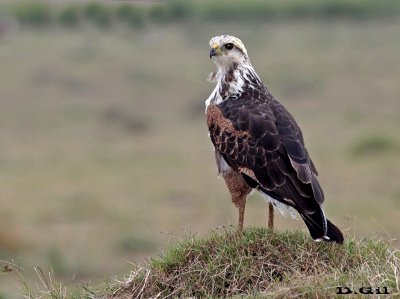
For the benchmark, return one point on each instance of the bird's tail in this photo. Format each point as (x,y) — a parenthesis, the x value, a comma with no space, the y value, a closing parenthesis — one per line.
(321,228)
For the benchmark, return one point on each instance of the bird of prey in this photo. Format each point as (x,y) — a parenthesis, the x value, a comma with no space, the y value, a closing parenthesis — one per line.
(258,144)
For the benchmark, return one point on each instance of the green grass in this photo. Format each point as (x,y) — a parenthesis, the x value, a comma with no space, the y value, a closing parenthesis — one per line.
(373,145)
(262,262)
(258,263)
(98,13)
(33,14)
(70,16)
(131,15)
(40,13)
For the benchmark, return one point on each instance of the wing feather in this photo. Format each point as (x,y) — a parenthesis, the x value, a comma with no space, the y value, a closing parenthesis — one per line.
(262,138)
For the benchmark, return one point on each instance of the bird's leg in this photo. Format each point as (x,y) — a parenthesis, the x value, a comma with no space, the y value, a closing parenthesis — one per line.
(242,205)
(270,216)
(239,190)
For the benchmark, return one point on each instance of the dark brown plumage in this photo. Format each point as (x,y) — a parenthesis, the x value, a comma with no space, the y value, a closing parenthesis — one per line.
(257,139)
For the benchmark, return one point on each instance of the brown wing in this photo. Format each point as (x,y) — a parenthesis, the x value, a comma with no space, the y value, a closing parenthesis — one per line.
(262,140)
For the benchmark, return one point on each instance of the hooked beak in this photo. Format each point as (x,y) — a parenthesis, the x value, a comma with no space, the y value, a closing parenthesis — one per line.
(213,52)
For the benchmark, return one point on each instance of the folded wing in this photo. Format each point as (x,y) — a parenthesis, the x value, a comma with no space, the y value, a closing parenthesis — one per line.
(262,141)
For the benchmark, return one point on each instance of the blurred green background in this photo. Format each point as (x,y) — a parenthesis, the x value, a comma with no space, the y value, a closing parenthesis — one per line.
(104,153)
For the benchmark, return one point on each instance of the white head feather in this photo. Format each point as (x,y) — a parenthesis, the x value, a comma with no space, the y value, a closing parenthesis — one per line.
(228,50)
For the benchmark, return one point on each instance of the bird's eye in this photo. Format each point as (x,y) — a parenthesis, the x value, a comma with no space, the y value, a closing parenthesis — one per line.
(229,46)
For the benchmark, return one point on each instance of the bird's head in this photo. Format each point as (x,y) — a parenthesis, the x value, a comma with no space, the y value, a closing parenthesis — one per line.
(227,50)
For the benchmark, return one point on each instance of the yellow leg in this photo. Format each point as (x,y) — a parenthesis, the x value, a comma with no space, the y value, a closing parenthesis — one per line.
(270,216)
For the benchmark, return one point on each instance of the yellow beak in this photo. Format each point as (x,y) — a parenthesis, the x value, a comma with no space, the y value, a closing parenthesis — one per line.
(215,50)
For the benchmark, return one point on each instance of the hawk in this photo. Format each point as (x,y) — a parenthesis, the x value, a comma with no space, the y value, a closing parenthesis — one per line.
(258,144)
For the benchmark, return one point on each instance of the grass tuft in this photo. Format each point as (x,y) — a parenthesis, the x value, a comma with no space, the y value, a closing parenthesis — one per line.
(43,284)
(36,14)
(373,145)
(70,16)
(263,262)
(98,14)
(130,15)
